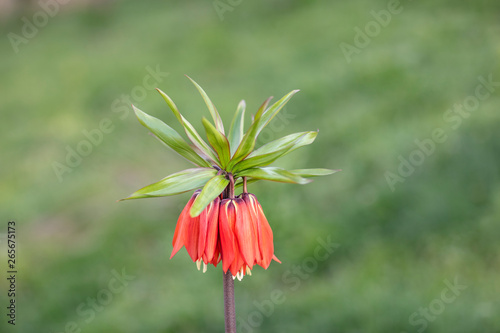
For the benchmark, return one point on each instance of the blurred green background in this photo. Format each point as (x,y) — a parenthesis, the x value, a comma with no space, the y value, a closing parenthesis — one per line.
(398,251)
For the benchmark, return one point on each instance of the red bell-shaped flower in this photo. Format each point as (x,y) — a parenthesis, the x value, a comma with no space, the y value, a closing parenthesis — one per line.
(246,237)
(231,212)
(198,234)
(264,235)
(234,230)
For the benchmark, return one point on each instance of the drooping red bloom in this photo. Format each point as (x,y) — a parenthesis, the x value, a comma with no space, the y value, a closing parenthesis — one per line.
(234,230)
(199,234)
(246,237)
(231,213)
(263,230)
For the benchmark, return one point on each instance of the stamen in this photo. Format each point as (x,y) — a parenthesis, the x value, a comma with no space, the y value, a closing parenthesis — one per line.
(198,264)
(249,271)
(240,275)
(205,267)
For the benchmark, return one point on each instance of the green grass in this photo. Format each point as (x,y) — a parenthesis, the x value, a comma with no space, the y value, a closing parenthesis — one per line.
(396,248)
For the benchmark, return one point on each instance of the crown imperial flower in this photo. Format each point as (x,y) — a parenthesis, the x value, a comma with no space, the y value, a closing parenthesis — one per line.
(234,230)
(215,225)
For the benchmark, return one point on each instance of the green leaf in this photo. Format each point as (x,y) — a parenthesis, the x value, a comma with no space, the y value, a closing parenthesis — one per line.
(211,107)
(210,191)
(274,174)
(298,139)
(248,142)
(313,172)
(236,130)
(218,141)
(274,109)
(190,130)
(170,137)
(270,152)
(180,182)
(172,106)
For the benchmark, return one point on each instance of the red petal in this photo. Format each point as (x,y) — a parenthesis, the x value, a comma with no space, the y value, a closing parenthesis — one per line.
(178,240)
(217,255)
(264,232)
(191,235)
(212,230)
(246,233)
(266,239)
(276,259)
(226,221)
(237,264)
(202,234)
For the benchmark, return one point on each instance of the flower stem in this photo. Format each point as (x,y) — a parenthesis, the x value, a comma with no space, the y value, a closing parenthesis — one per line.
(231,186)
(229,311)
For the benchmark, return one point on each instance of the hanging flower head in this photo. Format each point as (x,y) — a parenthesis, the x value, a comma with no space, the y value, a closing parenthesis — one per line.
(216,225)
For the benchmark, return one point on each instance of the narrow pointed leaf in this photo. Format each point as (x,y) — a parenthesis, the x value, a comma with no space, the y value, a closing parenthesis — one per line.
(248,142)
(218,142)
(180,182)
(274,109)
(170,137)
(211,107)
(171,105)
(306,138)
(210,191)
(237,127)
(270,152)
(259,161)
(274,174)
(190,130)
(313,172)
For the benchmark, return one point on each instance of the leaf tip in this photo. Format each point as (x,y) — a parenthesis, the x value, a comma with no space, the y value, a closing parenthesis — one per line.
(190,79)
(136,110)
(193,212)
